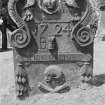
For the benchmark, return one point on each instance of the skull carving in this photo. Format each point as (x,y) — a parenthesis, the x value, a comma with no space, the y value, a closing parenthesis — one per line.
(49,6)
(54,76)
(55,81)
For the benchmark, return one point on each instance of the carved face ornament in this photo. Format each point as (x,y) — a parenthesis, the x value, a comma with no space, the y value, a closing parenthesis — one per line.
(49,6)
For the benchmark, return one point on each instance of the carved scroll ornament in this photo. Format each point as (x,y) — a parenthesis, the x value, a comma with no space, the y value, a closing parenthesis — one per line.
(82,33)
(20,38)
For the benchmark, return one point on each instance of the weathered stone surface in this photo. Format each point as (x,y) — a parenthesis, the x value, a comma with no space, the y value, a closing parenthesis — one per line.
(52,32)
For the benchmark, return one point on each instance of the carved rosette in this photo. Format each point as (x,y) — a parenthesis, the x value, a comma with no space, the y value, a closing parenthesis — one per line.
(20,38)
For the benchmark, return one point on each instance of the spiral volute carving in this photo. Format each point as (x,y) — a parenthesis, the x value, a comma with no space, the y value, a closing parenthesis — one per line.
(82,33)
(84,36)
(20,38)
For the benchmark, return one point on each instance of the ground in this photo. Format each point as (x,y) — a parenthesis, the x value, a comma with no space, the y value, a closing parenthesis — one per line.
(91,96)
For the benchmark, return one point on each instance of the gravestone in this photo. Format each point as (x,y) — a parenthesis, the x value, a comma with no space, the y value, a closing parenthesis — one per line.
(53,44)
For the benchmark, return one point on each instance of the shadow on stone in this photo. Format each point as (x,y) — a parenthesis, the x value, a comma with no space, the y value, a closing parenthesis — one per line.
(5,50)
(97,80)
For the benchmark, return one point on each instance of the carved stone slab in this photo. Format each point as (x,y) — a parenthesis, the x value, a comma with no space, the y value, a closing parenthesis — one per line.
(53,44)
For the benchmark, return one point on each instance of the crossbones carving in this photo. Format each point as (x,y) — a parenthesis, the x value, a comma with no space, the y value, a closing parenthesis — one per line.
(55,80)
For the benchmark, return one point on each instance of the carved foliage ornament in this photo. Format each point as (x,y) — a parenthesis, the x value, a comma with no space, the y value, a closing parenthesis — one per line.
(71,3)
(29,3)
(22,86)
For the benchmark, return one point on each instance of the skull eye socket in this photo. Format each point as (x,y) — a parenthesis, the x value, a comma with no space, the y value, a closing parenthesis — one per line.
(51,75)
(54,75)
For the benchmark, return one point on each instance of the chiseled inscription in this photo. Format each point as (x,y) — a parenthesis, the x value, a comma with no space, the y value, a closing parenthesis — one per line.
(60,57)
(44,58)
